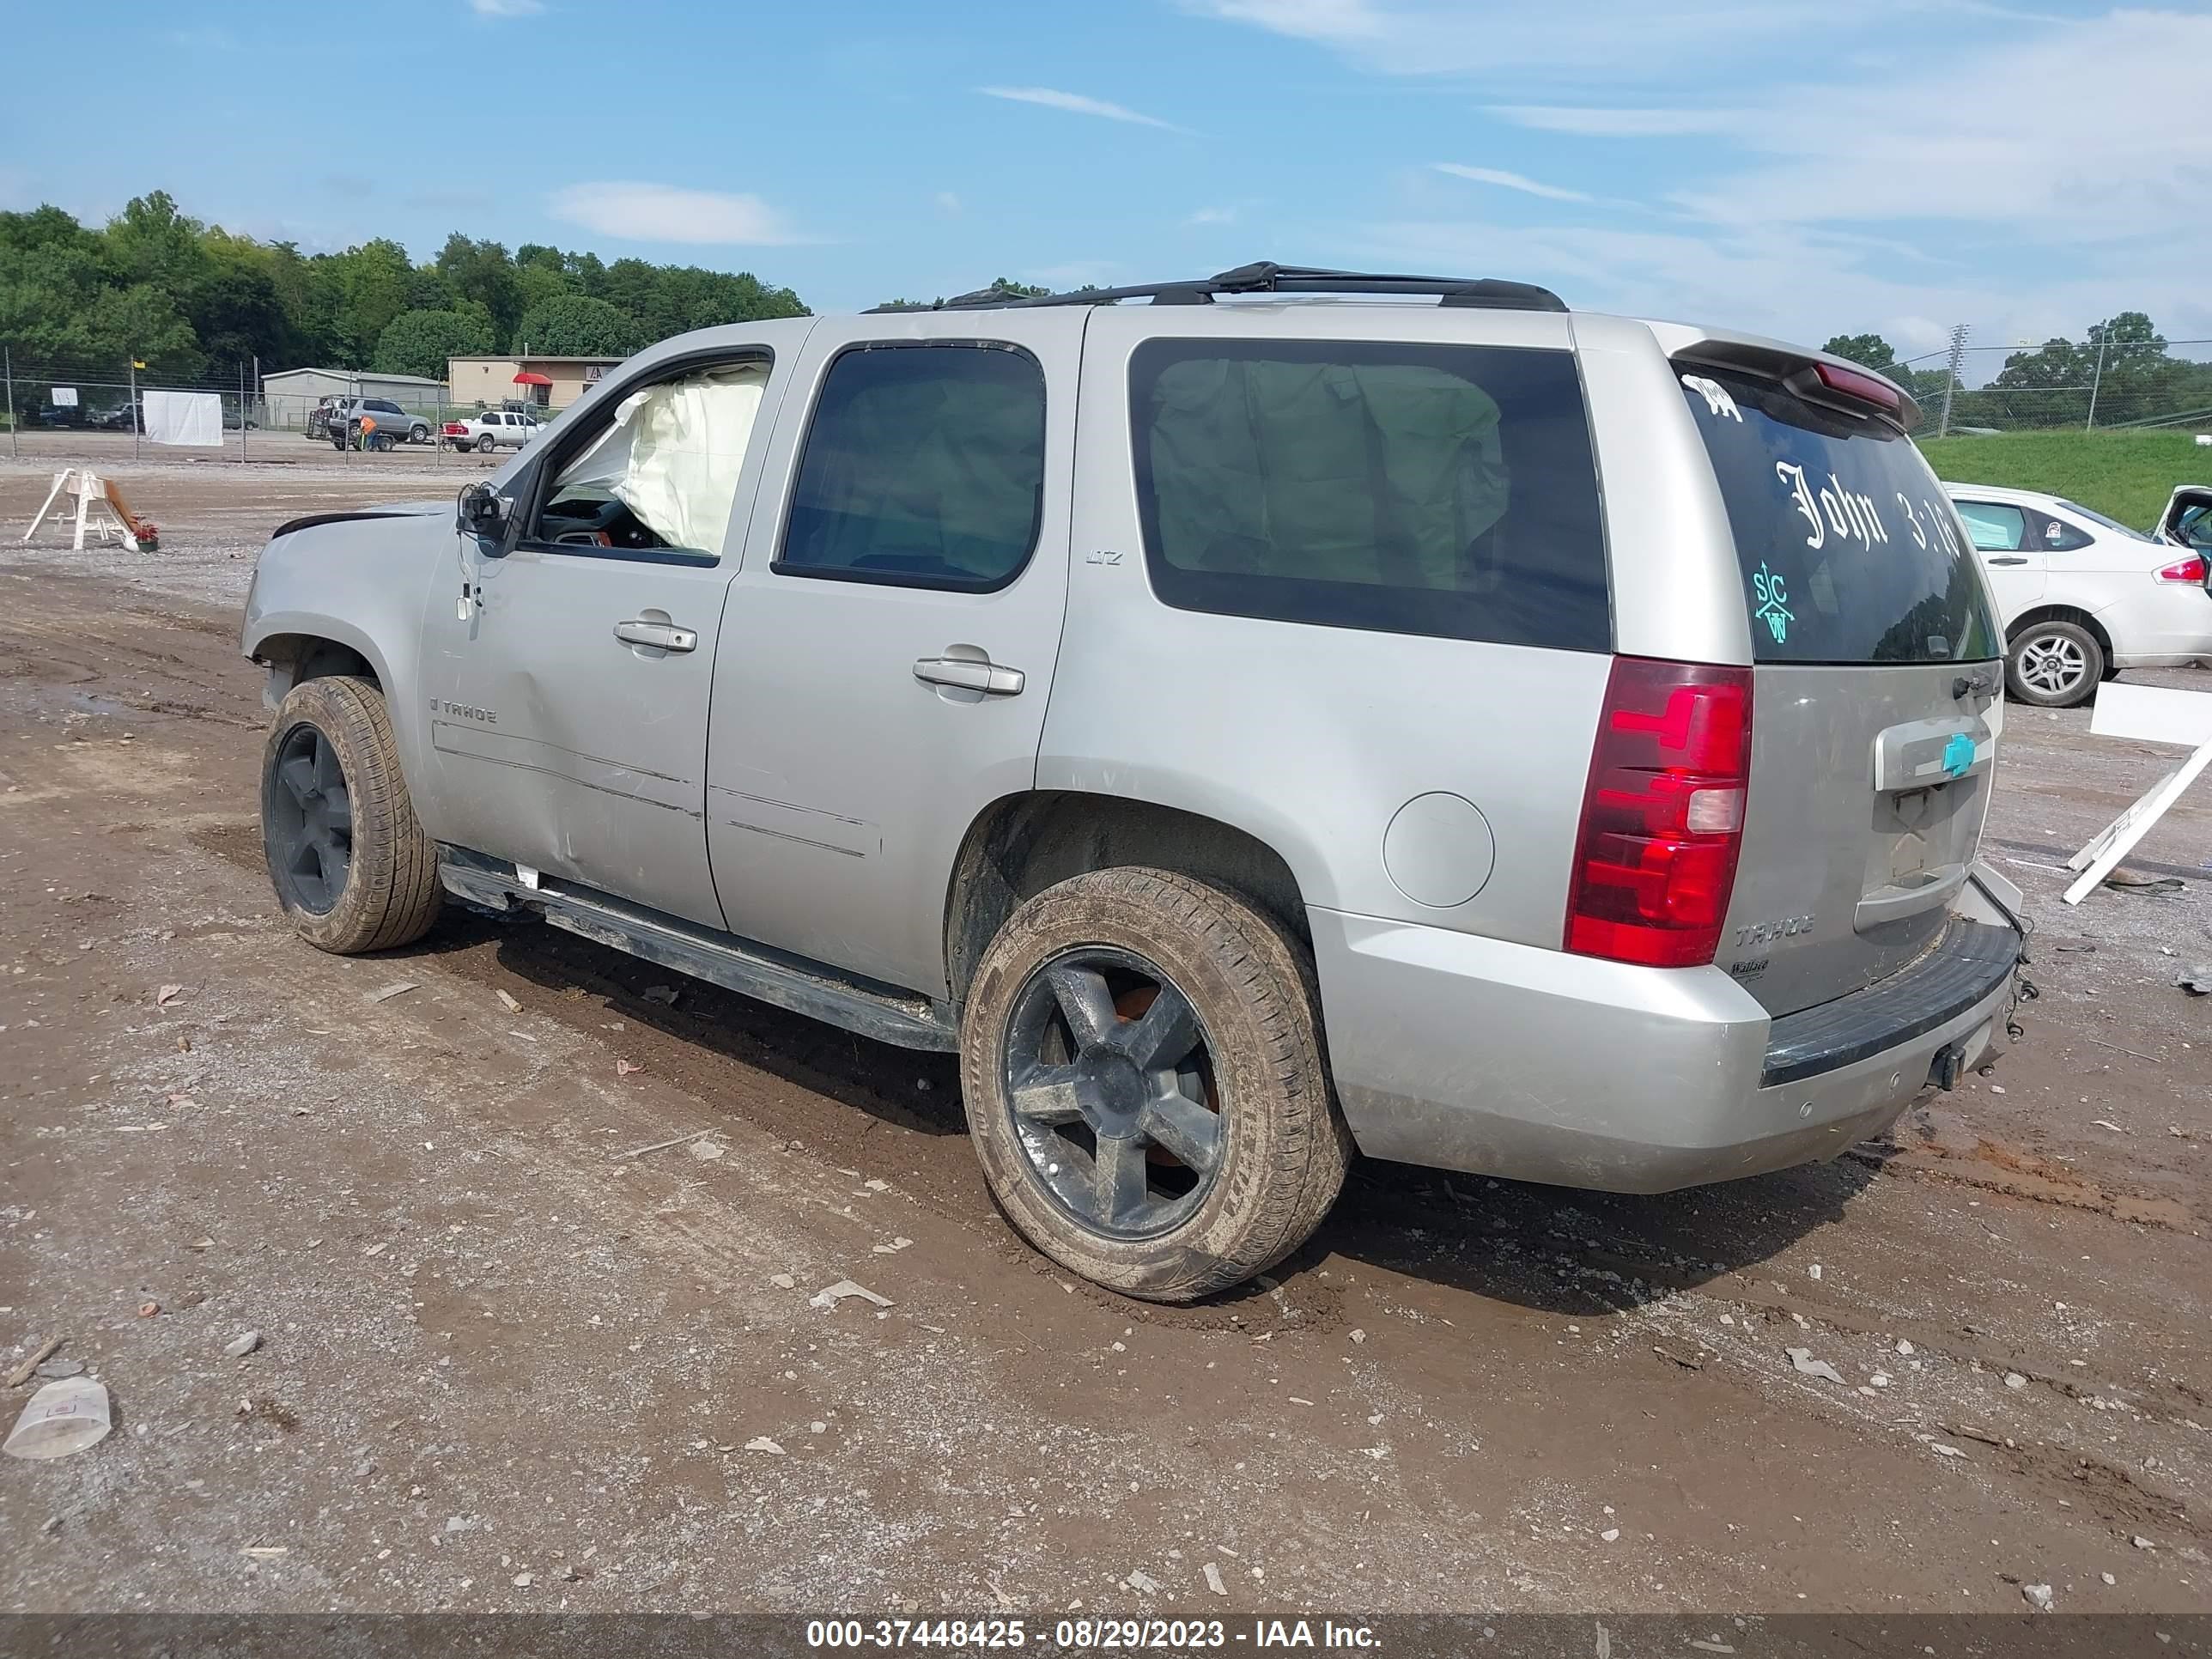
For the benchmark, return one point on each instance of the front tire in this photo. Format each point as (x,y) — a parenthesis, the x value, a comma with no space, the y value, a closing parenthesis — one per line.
(2054,665)
(1140,1055)
(351,865)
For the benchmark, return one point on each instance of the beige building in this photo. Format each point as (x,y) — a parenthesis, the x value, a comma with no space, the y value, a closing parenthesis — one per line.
(546,382)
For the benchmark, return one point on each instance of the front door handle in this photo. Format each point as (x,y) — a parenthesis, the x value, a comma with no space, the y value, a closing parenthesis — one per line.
(969,675)
(2007,561)
(663,637)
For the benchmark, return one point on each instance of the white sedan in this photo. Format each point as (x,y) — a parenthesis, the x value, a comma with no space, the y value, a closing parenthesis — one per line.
(2083,596)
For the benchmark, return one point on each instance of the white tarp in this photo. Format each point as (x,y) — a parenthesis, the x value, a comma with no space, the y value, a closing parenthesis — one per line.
(193,418)
(674,451)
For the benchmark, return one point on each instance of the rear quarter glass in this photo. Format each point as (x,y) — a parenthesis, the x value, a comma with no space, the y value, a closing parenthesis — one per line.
(1448,490)
(1851,551)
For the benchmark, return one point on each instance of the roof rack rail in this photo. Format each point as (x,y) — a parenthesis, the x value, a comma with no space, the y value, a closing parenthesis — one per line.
(1267,278)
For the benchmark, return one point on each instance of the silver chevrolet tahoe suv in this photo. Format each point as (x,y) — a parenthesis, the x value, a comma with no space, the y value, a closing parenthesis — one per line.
(1306,711)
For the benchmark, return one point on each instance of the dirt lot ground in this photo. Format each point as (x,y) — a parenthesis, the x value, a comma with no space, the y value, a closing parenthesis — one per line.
(503,1364)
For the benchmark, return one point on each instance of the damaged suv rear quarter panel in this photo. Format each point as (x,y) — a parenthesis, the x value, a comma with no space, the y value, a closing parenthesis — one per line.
(358,581)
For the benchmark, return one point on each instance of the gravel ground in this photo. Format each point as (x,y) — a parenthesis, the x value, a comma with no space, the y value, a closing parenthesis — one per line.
(510,1360)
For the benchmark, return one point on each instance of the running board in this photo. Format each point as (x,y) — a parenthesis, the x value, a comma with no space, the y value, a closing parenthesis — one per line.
(758,971)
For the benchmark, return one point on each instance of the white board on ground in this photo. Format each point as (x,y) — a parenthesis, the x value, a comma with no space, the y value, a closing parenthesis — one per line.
(2147,714)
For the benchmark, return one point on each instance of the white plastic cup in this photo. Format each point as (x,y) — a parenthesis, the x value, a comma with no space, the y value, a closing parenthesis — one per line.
(62,1417)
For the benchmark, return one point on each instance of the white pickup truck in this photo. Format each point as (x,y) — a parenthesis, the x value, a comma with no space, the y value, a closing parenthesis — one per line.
(490,429)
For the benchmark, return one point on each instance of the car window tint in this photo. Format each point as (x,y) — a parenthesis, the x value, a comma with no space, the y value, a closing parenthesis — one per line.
(1443,490)
(1994,527)
(2055,535)
(1849,550)
(923,466)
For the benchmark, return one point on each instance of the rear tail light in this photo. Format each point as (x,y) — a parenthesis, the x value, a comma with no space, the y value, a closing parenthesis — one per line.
(1662,816)
(2191,571)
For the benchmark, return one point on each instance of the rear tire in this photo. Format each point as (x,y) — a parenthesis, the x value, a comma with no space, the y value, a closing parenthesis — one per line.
(2054,665)
(1167,1176)
(350,865)
(484,444)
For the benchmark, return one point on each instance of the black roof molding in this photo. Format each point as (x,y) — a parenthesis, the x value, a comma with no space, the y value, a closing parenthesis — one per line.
(1264,276)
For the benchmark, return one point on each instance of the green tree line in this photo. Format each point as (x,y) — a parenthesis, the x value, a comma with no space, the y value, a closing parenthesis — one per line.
(190,299)
(2125,361)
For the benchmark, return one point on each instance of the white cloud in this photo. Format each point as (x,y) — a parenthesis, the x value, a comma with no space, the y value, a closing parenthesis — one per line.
(1505,180)
(666,213)
(2064,157)
(1076,103)
(1614,42)
(506,7)
(1793,282)
(1212,216)
(947,202)
(1628,122)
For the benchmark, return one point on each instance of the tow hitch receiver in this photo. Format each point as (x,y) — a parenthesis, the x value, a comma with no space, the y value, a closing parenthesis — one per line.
(1949,1065)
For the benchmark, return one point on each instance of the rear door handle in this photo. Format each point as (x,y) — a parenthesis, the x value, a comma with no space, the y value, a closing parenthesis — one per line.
(665,636)
(969,675)
(2007,561)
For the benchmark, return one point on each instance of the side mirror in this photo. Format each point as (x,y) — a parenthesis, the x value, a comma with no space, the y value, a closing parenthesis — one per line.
(481,511)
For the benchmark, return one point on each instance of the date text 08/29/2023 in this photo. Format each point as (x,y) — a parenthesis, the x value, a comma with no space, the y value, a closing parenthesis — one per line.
(1086,1635)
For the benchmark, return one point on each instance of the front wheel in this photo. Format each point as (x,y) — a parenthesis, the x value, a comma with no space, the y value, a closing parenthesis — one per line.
(1140,1056)
(351,865)
(2054,665)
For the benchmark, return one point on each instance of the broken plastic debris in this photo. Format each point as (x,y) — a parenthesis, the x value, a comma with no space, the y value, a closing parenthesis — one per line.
(830,1294)
(1213,1579)
(705,1150)
(894,1246)
(61,1418)
(168,994)
(398,988)
(1802,1359)
(760,1443)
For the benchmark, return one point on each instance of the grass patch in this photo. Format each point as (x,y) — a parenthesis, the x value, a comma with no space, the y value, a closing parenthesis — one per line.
(2127,475)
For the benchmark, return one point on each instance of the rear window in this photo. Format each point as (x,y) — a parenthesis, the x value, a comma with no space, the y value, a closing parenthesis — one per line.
(1851,551)
(1445,490)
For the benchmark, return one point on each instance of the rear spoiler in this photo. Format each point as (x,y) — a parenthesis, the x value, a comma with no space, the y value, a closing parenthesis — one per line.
(1818,377)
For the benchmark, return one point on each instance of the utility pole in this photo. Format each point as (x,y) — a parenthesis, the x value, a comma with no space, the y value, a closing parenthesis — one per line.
(2096,380)
(1951,366)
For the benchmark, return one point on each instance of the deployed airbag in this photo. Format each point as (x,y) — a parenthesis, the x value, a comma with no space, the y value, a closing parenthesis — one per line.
(673,453)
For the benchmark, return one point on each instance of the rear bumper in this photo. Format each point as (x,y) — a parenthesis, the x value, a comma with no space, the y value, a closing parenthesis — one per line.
(1464,1053)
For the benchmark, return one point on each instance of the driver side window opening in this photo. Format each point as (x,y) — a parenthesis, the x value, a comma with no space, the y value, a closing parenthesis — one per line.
(660,476)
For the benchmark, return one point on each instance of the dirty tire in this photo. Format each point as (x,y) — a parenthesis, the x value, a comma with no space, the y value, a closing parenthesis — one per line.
(389,893)
(2054,665)
(1284,1148)
(483,443)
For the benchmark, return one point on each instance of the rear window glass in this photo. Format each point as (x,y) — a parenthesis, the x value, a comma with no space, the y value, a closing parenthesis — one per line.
(1850,550)
(1446,490)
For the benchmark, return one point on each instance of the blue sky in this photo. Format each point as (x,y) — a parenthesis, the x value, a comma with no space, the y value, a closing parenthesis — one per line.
(1797,167)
